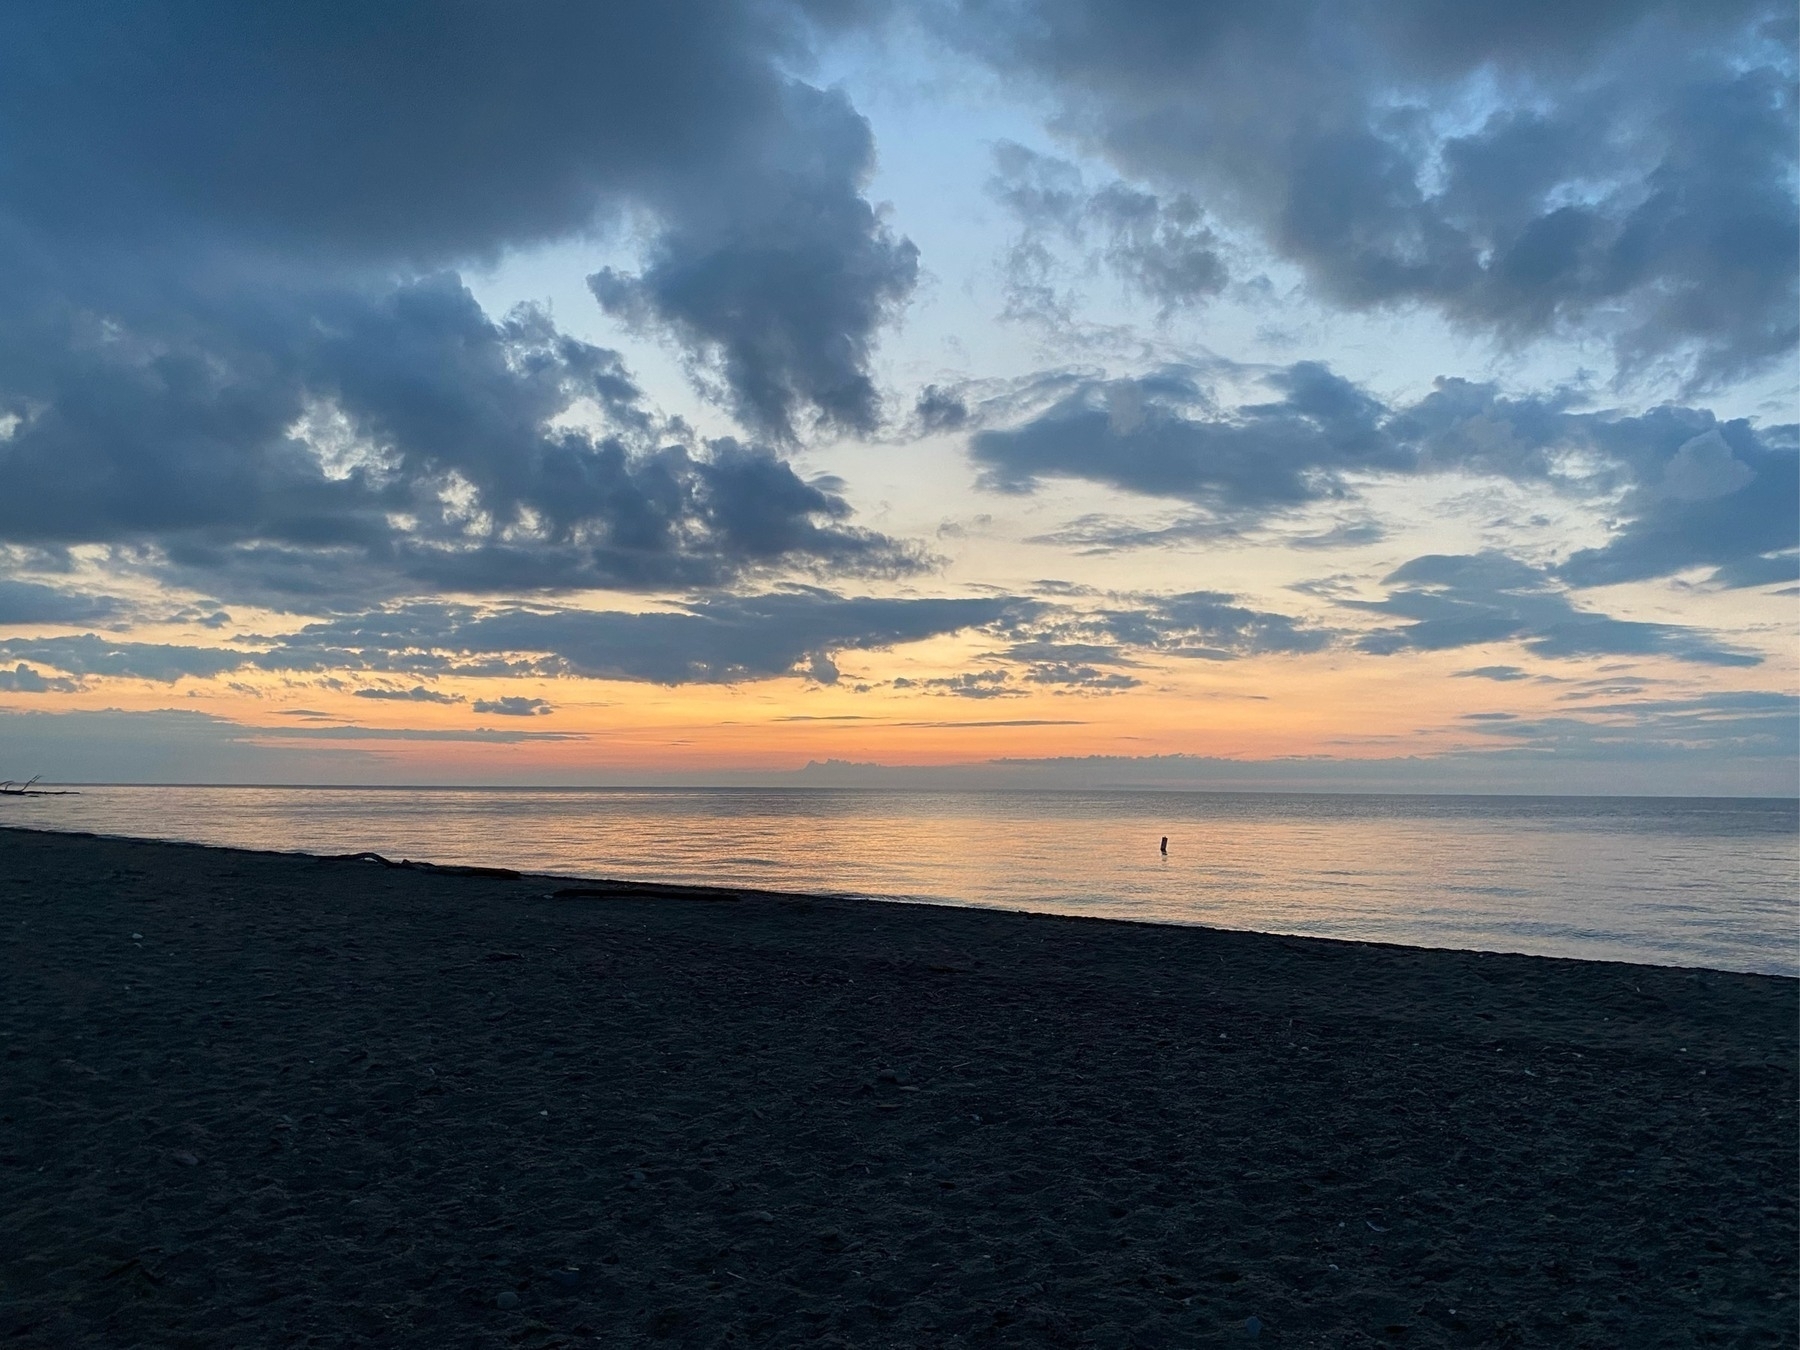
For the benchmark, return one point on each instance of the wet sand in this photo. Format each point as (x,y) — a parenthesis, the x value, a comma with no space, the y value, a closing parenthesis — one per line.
(258,1099)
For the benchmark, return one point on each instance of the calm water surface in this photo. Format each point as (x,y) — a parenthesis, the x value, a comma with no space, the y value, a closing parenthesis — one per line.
(1703,882)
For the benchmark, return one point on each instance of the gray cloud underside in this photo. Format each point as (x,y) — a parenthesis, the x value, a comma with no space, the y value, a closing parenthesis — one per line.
(335,136)
(722,640)
(1446,602)
(23,602)
(417,694)
(783,294)
(1206,625)
(1465,601)
(1162,434)
(1690,490)
(978,684)
(450,469)
(88,654)
(228,242)
(22,679)
(1622,170)
(1499,674)
(234,344)
(513,705)
(1093,648)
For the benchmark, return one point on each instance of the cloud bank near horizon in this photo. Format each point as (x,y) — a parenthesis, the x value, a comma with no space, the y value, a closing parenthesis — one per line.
(1738,745)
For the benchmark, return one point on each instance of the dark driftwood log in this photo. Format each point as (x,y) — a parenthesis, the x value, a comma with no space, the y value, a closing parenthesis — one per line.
(358,857)
(640,890)
(453,870)
(13,788)
(438,869)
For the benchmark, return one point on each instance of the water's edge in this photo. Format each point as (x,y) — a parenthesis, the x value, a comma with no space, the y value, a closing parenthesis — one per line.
(635,888)
(1672,882)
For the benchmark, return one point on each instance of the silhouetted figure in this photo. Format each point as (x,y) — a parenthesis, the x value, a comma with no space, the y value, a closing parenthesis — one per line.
(1165,846)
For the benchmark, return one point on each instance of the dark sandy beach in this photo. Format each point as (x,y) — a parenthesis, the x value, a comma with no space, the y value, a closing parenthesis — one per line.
(256,1099)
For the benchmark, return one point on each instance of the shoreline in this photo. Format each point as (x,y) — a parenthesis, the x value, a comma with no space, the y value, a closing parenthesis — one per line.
(650,887)
(263,1097)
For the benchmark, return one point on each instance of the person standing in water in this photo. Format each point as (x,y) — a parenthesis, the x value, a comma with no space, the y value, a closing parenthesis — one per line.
(1165,846)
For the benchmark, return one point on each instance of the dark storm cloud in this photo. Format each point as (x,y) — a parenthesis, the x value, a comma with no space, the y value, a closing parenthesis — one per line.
(760,511)
(1162,434)
(404,438)
(782,295)
(1688,490)
(204,347)
(1452,601)
(1622,170)
(416,131)
(32,602)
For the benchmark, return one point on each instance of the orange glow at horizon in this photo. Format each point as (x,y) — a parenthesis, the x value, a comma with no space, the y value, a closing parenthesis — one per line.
(1326,704)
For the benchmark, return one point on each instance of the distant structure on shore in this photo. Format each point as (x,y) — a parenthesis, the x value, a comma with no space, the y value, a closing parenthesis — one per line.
(1165,846)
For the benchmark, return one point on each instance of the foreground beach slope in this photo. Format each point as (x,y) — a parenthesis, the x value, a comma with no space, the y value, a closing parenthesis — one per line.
(257,1099)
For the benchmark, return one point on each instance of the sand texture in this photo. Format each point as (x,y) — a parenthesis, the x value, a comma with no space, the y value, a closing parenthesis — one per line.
(255,1099)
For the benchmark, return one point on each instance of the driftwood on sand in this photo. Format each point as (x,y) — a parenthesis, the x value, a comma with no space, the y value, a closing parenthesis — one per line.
(599,890)
(29,788)
(442,869)
(641,890)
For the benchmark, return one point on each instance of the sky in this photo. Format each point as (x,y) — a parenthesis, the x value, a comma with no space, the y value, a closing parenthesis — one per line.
(1357,394)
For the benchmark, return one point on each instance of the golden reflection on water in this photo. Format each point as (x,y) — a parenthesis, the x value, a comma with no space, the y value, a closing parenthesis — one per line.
(1708,883)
